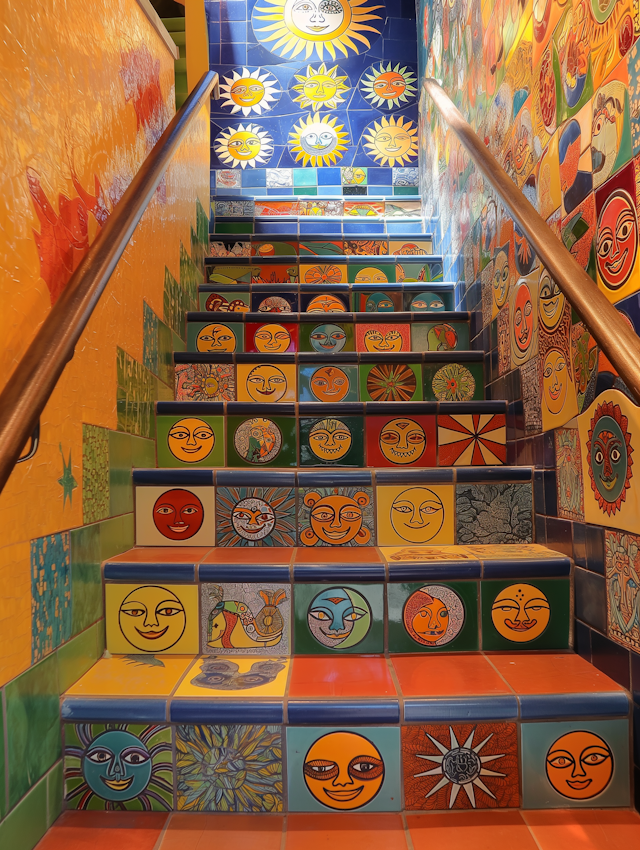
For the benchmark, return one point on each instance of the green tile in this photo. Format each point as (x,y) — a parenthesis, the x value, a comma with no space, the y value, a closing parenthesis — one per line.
(101,640)
(163,393)
(258,443)
(135,396)
(3,807)
(366,631)
(326,337)
(33,726)
(406,190)
(199,440)
(390,382)
(55,792)
(165,353)
(174,304)
(86,581)
(177,343)
(332,441)
(450,606)
(76,656)
(149,338)
(453,381)
(143,453)
(234,227)
(116,536)
(27,823)
(439,336)
(526,615)
(305,190)
(95,473)
(120,485)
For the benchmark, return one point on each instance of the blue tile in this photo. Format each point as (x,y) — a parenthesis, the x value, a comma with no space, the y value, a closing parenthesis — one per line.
(413,476)
(332,190)
(582,640)
(233,54)
(249,478)
(579,544)
(461,709)
(225,711)
(149,572)
(363,227)
(266,226)
(335,478)
(359,712)
(379,177)
(233,10)
(635,676)
(591,599)
(566,706)
(594,542)
(543,568)
(338,572)
(234,31)
(329,228)
(434,570)
(559,535)
(611,659)
(114,710)
(305,176)
(405,227)
(252,573)
(284,190)
(328,177)
(254,177)
(173,477)
(491,474)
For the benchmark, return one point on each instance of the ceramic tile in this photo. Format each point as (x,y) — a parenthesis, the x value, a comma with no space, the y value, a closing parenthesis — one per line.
(432,617)
(245,557)
(323,273)
(135,675)
(328,383)
(598,830)
(261,442)
(347,676)
(453,381)
(247,774)
(236,831)
(317,832)
(95,473)
(224,302)
(494,513)
(575,764)
(622,564)
(50,558)
(271,338)
(341,788)
(173,516)
(380,338)
(447,675)
(415,514)
(274,248)
(101,830)
(376,302)
(265,382)
(235,676)
(324,302)
(366,247)
(551,673)
(328,338)
(245,618)
(151,619)
(359,555)
(331,441)
(336,516)
(459,829)
(205,382)
(321,247)
(215,337)
(185,441)
(161,555)
(443,336)
(569,474)
(255,516)
(125,766)
(283,302)
(526,615)
(462,766)
(401,442)
(390,382)
(355,612)
(472,439)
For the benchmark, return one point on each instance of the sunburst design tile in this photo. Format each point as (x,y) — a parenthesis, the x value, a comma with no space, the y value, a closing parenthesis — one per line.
(472,439)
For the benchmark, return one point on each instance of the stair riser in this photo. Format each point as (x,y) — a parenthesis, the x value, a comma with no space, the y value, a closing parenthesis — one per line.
(293,298)
(378,270)
(257,246)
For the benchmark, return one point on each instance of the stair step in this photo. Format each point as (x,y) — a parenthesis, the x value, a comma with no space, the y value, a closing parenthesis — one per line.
(319,244)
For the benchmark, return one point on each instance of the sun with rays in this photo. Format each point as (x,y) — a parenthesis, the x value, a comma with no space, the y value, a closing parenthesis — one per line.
(320,88)
(462,766)
(305,26)
(319,141)
(392,141)
(244,145)
(388,87)
(249,91)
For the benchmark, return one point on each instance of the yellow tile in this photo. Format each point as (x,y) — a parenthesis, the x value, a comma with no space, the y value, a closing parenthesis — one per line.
(512,551)
(266,382)
(326,272)
(416,515)
(216,675)
(134,676)
(152,619)
(396,554)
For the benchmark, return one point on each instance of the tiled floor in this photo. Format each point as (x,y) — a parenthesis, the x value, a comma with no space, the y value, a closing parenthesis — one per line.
(531,830)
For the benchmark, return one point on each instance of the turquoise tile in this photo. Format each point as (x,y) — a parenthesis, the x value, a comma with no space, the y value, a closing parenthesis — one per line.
(305,177)
(27,823)
(76,656)
(50,558)
(120,486)
(86,581)
(33,726)
(116,536)
(55,792)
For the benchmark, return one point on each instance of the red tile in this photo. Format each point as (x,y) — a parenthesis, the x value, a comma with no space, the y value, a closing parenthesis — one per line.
(104,831)
(470,831)
(550,673)
(249,555)
(344,832)
(385,454)
(340,676)
(195,831)
(352,554)
(597,829)
(163,555)
(447,675)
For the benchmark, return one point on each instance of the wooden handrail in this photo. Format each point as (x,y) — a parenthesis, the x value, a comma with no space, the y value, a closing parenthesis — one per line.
(607,326)
(34,378)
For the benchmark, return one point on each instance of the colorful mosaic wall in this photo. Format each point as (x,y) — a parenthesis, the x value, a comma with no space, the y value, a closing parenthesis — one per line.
(104,79)
(552,88)
(317,98)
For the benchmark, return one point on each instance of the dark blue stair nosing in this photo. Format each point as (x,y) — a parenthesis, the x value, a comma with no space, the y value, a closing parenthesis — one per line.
(253,408)
(441,570)
(319,408)
(335,478)
(360,712)
(338,572)
(461,709)
(245,573)
(425,475)
(250,478)
(491,474)
(173,477)
(178,408)
(218,710)
(457,408)
(203,357)
(401,408)
(533,568)
(137,572)
(119,710)
(569,706)
(314,357)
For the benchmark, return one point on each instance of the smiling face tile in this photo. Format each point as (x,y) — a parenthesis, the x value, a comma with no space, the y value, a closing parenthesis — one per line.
(401,441)
(332,441)
(175,516)
(336,516)
(382,338)
(326,337)
(328,383)
(214,337)
(415,514)
(190,441)
(272,338)
(265,382)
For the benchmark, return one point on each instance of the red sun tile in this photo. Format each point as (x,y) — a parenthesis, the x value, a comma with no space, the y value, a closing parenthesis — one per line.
(447,675)
(344,832)
(340,676)
(195,831)
(532,673)
(584,830)
(247,555)
(104,831)
(352,555)
(162,555)
(464,830)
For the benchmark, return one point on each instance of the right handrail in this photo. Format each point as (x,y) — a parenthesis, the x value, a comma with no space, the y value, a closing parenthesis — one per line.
(612,333)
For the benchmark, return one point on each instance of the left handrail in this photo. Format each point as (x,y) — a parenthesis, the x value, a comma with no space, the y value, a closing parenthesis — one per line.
(33,380)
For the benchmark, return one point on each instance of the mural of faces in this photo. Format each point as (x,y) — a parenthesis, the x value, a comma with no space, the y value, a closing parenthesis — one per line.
(178,514)
(521,613)
(617,239)
(216,338)
(343,771)
(152,619)
(272,339)
(523,319)
(328,339)
(191,440)
(329,383)
(330,439)
(402,441)
(579,765)
(336,520)
(266,383)
(434,615)
(417,515)
(253,518)
(339,618)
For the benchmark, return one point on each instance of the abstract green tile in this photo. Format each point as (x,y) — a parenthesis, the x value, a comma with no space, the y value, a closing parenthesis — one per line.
(260,441)
(76,656)
(55,792)
(185,441)
(116,536)
(433,616)
(149,339)
(453,381)
(440,336)
(50,558)
(338,619)
(95,473)
(120,483)
(390,382)
(529,614)
(135,397)
(332,441)
(143,453)
(25,825)
(86,579)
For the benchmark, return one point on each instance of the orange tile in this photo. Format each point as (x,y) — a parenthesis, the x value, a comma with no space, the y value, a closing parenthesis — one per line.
(447,675)
(162,555)
(340,676)
(531,673)
(598,829)
(249,555)
(344,832)
(351,555)
(470,831)
(104,831)
(233,832)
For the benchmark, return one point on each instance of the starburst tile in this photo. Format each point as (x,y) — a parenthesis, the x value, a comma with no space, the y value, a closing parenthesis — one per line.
(472,439)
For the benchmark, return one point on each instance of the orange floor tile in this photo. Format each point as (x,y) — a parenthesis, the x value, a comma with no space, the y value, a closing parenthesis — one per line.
(227,832)
(104,831)
(470,831)
(345,676)
(162,555)
(551,673)
(249,556)
(585,830)
(447,675)
(345,832)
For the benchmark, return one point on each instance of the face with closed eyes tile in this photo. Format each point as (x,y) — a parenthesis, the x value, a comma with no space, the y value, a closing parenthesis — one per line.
(417,514)
(521,613)
(371,275)
(152,619)
(343,771)
(326,304)
(579,765)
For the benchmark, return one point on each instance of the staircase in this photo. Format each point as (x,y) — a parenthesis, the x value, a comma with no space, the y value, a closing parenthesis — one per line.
(336,602)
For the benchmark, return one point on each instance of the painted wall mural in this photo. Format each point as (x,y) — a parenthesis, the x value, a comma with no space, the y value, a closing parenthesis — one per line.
(328,86)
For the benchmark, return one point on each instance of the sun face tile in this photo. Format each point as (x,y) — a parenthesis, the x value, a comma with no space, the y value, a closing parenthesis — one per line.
(380,338)
(462,766)
(235,676)
(534,614)
(472,439)
(342,788)
(250,782)
(336,516)
(453,381)
(114,766)
(261,442)
(175,516)
(328,383)
(281,302)
(415,515)
(256,516)
(324,302)
(433,617)
(144,619)
(326,337)
(205,382)
(323,272)
(401,442)
(244,618)
(390,382)
(332,441)
(184,441)
(365,273)
(341,619)
(271,337)
(215,337)
(265,382)
(494,513)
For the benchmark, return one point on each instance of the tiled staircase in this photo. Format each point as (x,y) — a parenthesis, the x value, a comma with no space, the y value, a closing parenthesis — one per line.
(335,603)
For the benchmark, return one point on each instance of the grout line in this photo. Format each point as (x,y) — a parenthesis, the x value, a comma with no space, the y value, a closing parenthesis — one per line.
(163,831)
(407,833)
